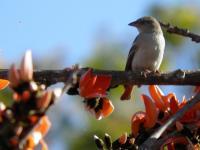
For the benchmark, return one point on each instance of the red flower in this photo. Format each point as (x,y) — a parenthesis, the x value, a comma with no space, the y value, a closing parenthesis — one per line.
(136,122)
(171,104)
(151,112)
(91,85)
(162,101)
(146,119)
(166,106)
(100,107)
(93,89)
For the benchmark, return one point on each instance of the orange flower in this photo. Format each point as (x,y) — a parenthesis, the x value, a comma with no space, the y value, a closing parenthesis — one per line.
(151,112)
(93,89)
(162,101)
(157,95)
(165,106)
(171,104)
(146,119)
(137,120)
(99,107)
(107,107)
(93,85)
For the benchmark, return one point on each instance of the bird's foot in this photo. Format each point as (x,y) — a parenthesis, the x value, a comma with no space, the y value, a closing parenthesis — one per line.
(145,72)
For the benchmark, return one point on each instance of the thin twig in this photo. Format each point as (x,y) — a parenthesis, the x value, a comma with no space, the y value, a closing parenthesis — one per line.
(150,142)
(180,31)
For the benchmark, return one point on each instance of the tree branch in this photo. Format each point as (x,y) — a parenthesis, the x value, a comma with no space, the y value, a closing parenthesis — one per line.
(180,31)
(177,77)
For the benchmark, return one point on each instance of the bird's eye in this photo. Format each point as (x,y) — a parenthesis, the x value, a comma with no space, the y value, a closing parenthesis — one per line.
(141,21)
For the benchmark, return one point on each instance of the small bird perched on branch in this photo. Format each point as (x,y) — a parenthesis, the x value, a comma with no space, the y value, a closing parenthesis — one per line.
(147,50)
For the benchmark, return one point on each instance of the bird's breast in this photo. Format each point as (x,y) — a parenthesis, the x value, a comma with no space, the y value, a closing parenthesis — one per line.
(150,51)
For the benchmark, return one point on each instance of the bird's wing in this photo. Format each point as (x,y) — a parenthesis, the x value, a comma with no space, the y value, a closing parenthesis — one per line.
(131,55)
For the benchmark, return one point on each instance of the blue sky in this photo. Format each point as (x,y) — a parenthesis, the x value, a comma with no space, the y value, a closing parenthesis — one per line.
(45,24)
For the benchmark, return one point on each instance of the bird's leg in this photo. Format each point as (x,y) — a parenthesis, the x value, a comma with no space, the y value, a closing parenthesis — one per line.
(147,71)
(144,72)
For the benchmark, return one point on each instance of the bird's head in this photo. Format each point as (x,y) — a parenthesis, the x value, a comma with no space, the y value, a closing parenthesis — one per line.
(146,24)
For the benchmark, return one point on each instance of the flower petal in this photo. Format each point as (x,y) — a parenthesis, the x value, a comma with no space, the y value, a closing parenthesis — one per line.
(102,83)
(156,95)
(107,107)
(86,83)
(183,102)
(13,76)
(26,68)
(137,120)
(166,99)
(99,86)
(3,84)
(85,78)
(151,112)
(94,85)
(44,101)
(173,105)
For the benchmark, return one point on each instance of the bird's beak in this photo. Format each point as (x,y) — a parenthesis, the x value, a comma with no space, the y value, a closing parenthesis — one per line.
(134,23)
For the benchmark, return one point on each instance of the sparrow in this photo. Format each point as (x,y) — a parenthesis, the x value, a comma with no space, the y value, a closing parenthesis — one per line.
(147,50)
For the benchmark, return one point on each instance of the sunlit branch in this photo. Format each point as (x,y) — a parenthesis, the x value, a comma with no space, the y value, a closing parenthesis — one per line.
(180,31)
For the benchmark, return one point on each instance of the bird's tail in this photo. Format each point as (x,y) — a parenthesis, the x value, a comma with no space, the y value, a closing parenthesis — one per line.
(127,92)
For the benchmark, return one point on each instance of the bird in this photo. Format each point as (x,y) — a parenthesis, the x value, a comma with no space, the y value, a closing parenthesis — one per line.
(147,50)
